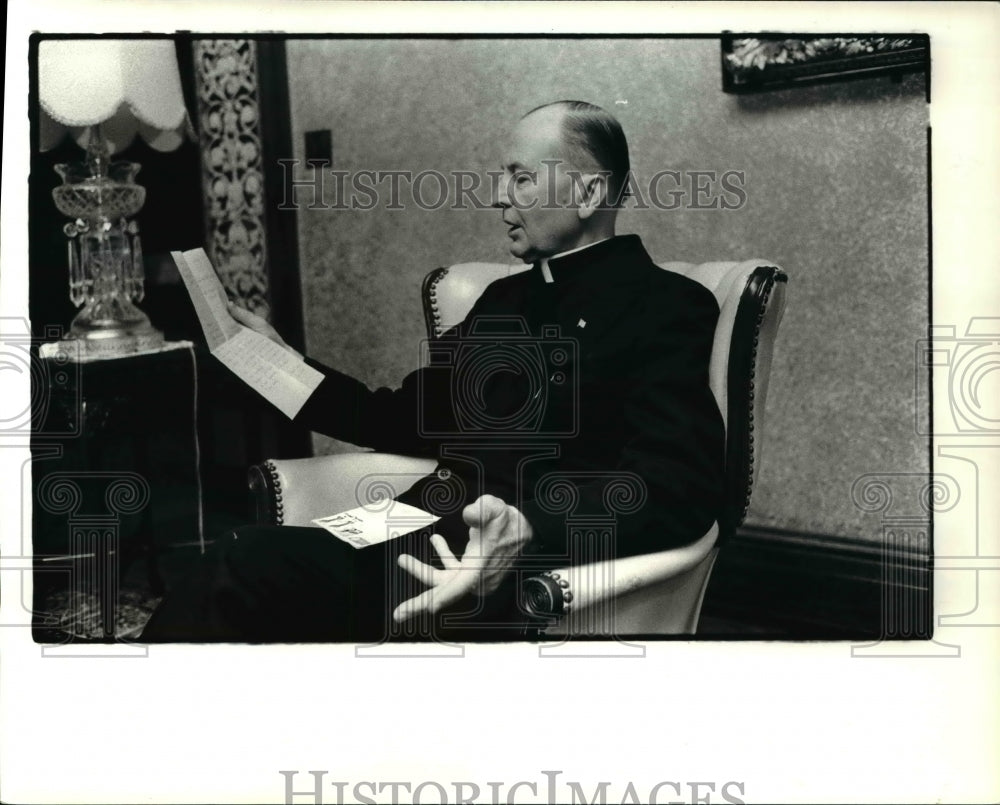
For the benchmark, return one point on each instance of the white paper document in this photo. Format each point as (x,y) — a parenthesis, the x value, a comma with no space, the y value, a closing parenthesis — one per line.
(366,526)
(281,377)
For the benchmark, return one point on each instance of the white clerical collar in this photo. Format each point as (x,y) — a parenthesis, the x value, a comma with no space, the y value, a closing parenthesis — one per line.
(545,260)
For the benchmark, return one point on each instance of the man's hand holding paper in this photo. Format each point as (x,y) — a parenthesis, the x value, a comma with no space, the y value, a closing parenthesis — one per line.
(259,325)
(245,343)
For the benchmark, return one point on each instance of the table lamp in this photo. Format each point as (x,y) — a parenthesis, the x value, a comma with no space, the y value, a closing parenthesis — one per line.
(103,92)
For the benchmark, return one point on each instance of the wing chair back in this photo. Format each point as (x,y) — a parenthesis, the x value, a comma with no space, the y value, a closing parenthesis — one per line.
(751,297)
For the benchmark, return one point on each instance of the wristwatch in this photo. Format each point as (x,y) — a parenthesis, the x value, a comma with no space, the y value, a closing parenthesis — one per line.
(546,595)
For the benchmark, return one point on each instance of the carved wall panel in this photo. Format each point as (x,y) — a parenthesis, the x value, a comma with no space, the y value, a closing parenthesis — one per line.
(232,169)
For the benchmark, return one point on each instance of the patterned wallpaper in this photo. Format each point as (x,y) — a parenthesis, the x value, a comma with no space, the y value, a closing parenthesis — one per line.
(835,181)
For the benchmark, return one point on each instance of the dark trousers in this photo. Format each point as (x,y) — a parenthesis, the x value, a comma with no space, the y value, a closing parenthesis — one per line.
(290,584)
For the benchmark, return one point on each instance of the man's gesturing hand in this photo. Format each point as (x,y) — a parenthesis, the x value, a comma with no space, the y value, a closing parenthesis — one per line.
(497,533)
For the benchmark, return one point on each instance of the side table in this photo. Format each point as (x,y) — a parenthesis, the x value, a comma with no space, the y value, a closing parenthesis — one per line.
(115,466)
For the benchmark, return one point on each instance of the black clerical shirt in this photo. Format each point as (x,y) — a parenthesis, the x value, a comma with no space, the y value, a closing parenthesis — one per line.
(582,401)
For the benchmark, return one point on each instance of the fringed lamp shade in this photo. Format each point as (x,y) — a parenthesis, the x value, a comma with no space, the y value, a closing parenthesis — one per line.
(102,93)
(130,86)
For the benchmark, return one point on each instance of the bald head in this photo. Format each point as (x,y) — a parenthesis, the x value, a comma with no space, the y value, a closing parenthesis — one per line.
(564,165)
(592,139)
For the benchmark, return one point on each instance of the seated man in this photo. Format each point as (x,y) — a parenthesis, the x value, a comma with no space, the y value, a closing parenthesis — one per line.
(625,347)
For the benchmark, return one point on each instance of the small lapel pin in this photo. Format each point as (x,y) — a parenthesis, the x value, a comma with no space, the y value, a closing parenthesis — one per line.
(581,324)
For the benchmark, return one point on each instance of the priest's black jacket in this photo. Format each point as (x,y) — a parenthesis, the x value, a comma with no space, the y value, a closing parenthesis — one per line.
(581,401)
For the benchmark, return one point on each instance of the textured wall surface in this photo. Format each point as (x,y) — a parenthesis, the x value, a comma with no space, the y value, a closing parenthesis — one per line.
(836,194)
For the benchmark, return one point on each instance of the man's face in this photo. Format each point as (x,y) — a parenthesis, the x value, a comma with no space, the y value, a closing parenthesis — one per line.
(536,193)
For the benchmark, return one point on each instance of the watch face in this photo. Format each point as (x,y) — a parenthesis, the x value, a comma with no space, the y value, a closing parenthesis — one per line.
(542,595)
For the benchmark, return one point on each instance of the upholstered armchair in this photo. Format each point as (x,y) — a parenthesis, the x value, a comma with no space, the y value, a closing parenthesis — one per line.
(652,594)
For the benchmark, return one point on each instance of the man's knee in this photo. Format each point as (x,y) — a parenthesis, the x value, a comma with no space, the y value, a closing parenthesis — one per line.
(249,537)
(282,557)
(250,555)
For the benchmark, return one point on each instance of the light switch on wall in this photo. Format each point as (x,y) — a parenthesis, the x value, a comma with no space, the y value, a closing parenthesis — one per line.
(319,147)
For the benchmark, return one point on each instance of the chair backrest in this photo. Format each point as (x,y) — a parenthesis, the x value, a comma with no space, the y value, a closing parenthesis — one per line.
(751,297)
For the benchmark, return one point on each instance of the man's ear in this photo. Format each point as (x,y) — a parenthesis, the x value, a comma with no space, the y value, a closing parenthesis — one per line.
(594,191)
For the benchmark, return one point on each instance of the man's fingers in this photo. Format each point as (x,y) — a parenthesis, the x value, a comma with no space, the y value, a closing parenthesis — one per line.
(256,323)
(244,317)
(424,572)
(483,511)
(414,606)
(432,600)
(447,557)
(251,320)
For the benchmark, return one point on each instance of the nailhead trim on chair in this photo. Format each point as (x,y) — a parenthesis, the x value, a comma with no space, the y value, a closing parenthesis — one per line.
(279,508)
(432,314)
(266,493)
(776,276)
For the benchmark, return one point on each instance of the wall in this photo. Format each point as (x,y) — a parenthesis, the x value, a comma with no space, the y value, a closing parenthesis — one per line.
(836,194)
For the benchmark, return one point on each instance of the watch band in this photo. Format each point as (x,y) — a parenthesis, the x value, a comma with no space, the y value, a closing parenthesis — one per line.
(546,595)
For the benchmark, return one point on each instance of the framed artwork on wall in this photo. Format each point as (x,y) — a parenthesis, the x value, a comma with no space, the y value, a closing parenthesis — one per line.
(779,61)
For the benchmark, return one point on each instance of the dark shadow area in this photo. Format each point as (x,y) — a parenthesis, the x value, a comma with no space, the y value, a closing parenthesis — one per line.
(843,92)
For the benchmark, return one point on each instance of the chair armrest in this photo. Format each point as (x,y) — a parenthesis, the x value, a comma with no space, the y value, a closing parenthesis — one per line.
(296,491)
(657,593)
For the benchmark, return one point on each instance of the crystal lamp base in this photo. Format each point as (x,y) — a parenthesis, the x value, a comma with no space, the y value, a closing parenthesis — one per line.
(110,317)
(113,327)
